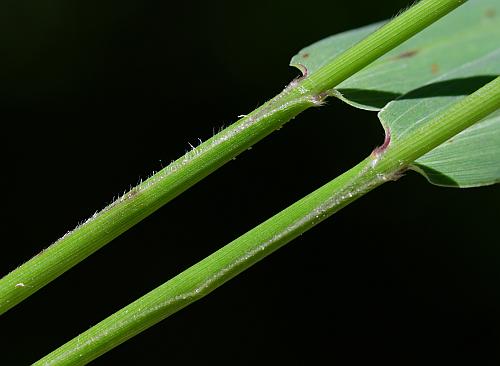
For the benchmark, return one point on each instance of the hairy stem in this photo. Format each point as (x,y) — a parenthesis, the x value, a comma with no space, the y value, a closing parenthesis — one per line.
(382,165)
(146,198)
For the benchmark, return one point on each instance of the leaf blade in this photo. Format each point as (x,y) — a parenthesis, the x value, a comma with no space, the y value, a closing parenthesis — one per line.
(472,158)
(446,165)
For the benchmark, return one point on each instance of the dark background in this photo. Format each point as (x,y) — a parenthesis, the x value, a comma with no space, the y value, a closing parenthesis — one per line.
(95,95)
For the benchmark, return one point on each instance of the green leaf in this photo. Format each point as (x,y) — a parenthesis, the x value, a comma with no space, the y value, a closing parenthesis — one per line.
(470,32)
(470,159)
(426,74)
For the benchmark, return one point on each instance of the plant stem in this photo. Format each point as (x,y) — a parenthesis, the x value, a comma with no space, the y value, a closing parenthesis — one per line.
(210,273)
(162,187)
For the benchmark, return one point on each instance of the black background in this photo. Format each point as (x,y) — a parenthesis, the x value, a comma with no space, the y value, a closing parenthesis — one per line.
(98,94)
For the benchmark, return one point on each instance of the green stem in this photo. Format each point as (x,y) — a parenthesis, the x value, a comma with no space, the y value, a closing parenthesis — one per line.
(380,42)
(210,273)
(162,187)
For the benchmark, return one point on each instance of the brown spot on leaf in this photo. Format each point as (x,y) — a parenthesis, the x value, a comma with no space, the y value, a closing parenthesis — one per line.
(434,68)
(406,54)
(305,55)
(490,13)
